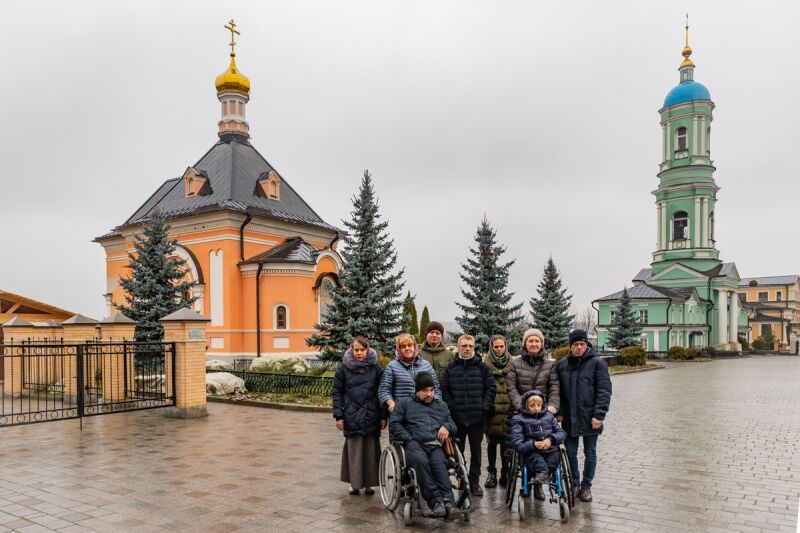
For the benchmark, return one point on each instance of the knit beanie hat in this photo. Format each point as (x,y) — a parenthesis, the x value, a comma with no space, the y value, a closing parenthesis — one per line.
(434,326)
(422,381)
(577,335)
(532,332)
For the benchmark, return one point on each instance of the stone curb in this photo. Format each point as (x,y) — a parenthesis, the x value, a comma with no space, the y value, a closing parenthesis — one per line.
(635,370)
(273,405)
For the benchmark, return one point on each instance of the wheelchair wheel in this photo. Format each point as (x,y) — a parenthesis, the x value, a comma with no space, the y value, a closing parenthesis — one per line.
(389,477)
(521,507)
(566,478)
(408,513)
(461,473)
(564,508)
(511,485)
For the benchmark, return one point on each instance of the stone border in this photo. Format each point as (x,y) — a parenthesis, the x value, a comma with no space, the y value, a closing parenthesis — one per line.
(635,370)
(273,405)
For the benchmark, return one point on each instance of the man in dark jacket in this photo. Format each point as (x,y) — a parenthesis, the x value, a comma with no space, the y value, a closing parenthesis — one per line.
(585,398)
(422,423)
(468,388)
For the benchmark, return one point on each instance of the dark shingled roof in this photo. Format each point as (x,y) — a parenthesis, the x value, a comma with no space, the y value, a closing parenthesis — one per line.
(295,250)
(233,167)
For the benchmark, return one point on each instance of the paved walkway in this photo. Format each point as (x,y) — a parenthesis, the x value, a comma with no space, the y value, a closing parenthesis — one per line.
(695,447)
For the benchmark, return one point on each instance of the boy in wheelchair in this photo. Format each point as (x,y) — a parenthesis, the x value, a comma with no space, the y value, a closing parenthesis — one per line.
(536,434)
(422,423)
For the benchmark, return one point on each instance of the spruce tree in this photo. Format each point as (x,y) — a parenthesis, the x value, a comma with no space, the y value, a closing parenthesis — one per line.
(625,329)
(410,322)
(368,300)
(423,324)
(550,310)
(486,310)
(154,288)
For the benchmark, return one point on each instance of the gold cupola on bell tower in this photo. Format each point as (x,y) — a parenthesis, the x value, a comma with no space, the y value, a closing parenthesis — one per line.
(233,92)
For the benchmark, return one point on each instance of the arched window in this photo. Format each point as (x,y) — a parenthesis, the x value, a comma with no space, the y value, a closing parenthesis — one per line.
(681,139)
(680,226)
(325,298)
(708,141)
(280,317)
(711,227)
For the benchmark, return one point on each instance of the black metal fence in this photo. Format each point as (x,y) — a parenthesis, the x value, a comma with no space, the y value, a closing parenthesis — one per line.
(284,383)
(44,382)
(661,356)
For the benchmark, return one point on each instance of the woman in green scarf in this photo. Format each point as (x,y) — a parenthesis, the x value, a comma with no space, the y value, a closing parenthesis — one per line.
(498,359)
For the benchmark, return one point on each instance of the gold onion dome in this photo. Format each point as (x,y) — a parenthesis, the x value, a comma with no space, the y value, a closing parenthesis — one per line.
(232,80)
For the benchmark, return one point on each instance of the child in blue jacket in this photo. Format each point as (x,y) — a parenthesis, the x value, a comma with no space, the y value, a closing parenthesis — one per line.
(536,434)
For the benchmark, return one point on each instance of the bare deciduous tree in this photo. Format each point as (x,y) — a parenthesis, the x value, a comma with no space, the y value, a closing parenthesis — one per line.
(586,320)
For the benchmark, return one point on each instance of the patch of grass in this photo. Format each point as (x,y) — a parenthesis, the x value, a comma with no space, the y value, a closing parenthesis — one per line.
(616,369)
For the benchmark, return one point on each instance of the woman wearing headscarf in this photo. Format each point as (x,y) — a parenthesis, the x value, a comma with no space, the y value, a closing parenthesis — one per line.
(498,360)
(359,415)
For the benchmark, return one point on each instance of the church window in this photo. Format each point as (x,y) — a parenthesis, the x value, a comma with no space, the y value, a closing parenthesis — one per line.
(708,141)
(643,316)
(190,187)
(280,317)
(778,296)
(766,329)
(273,189)
(763,296)
(681,139)
(711,228)
(680,226)
(325,298)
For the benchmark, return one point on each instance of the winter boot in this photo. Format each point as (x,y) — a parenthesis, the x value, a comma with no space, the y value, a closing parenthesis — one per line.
(491,479)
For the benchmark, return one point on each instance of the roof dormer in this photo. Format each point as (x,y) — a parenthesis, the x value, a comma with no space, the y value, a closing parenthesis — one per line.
(269,185)
(196,183)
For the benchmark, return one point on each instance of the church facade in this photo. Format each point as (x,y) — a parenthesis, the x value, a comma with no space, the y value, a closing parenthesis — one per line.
(264,262)
(688,296)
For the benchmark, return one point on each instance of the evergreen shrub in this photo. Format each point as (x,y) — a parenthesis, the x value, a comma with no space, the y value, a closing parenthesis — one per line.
(691,353)
(559,353)
(745,344)
(676,353)
(633,356)
(760,344)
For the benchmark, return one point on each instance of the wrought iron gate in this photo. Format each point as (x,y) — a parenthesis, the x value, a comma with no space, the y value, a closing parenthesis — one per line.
(43,382)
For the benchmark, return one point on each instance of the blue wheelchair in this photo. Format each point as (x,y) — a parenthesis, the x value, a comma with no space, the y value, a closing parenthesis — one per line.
(559,485)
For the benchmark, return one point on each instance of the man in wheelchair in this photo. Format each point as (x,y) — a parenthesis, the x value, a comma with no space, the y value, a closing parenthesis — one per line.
(422,423)
(536,434)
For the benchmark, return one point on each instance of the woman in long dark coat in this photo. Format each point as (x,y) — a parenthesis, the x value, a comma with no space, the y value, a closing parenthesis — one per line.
(359,415)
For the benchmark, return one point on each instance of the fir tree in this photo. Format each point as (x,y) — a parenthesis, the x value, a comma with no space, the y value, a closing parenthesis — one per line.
(625,329)
(154,288)
(486,311)
(410,322)
(368,300)
(550,310)
(423,324)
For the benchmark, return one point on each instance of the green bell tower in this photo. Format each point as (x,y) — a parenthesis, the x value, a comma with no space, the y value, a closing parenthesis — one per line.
(686,193)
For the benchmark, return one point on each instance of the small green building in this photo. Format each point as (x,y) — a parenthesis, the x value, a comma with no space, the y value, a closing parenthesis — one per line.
(688,296)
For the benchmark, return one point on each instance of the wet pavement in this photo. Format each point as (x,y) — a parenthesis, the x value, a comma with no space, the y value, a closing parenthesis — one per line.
(694,447)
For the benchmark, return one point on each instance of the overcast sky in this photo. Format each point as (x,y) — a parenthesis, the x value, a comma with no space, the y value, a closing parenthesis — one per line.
(541,115)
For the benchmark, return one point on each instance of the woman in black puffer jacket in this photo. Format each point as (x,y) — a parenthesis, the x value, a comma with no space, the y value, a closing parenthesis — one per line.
(359,415)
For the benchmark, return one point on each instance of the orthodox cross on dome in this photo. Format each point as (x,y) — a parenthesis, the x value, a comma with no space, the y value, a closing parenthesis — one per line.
(687,50)
(232,27)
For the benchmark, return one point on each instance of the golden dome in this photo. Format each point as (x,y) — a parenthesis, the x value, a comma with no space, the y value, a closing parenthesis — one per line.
(687,52)
(233,80)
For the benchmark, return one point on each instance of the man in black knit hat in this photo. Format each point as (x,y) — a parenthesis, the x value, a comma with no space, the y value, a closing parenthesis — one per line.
(422,423)
(433,349)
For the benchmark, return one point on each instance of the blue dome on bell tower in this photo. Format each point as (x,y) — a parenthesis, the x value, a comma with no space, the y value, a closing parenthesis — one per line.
(687,91)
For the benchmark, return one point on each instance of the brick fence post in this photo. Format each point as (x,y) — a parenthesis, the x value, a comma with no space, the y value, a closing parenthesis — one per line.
(116,363)
(16,330)
(76,330)
(187,330)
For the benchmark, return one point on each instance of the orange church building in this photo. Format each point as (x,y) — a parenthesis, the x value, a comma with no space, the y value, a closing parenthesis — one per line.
(263,260)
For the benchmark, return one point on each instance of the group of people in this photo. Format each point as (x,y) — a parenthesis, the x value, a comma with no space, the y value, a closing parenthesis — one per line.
(427,394)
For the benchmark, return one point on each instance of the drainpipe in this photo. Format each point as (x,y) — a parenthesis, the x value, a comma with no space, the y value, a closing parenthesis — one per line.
(711,299)
(335,239)
(258,309)
(669,329)
(248,217)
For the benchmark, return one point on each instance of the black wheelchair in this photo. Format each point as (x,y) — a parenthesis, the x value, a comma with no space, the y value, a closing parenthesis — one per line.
(559,485)
(398,482)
